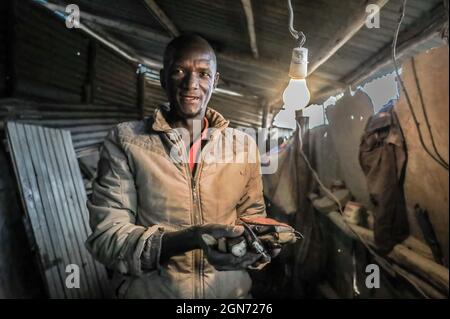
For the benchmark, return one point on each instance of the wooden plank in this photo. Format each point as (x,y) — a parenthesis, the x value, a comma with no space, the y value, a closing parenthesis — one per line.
(342,36)
(161,16)
(55,203)
(431,272)
(247,5)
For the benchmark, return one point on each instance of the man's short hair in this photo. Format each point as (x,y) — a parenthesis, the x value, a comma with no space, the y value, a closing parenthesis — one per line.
(185,41)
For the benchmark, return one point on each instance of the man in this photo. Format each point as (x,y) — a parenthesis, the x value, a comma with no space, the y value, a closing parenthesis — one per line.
(148,211)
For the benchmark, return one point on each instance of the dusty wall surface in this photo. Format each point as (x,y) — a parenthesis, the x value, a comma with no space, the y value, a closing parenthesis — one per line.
(347,120)
(426,183)
(334,150)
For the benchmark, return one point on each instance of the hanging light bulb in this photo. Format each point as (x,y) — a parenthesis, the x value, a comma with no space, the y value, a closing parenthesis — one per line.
(296,95)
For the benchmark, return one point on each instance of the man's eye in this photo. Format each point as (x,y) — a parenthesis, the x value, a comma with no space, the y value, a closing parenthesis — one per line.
(177,71)
(205,74)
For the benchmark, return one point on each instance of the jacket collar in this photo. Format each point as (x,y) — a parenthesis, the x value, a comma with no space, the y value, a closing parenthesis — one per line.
(215,119)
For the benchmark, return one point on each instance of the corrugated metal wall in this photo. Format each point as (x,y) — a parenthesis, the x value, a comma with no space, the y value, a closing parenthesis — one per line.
(50,60)
(3,17)
(79,85)
(242,112)
(61,83)
(88,124)
(116,80)
(154,95)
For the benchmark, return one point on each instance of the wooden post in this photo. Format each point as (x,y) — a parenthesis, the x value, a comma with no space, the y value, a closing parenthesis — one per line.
(266,111)
(303,121)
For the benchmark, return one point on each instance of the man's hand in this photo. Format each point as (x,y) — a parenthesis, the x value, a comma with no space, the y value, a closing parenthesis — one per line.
(220,260)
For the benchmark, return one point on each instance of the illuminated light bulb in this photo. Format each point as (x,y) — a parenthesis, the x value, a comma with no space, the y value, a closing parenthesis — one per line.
(296,95)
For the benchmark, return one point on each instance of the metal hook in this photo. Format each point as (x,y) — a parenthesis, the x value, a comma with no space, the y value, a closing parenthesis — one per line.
(300,36)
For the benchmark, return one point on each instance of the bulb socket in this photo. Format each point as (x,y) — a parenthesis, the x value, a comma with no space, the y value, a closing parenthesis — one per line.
(299,63)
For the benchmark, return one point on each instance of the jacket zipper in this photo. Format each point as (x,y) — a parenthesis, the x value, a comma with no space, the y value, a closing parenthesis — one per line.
(197,218)
(195,180)
(197,256)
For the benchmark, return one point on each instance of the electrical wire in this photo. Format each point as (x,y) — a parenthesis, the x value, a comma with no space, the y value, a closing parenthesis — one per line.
(425,114)
(408,99)
(383,261)
(295,34)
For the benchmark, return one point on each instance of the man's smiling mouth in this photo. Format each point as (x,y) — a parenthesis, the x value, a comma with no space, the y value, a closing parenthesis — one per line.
(186,97)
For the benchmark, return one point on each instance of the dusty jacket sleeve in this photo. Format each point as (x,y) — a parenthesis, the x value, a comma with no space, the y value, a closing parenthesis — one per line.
(116,241)
(252,202)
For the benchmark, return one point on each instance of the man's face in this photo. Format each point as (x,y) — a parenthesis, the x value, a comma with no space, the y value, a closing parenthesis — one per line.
(189,80)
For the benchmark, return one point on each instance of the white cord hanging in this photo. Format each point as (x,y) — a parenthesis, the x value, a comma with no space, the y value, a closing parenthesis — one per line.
(300,36)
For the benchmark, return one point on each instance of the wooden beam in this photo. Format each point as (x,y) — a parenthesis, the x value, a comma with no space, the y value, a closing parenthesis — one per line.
(266,113)
(427,269)
(116,24)
(256,87)
(422,31)
(105,40)
(247,5)
(273,71)
(262,73)
(163,19)
(343,35)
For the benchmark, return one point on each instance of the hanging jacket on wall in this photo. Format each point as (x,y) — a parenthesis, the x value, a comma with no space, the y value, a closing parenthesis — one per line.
(382,156)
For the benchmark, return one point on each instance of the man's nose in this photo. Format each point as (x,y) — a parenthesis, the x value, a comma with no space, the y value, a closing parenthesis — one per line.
(191,81)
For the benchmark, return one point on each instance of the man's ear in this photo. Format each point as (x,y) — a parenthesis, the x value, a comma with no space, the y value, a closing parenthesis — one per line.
(216,79)
(162,78)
